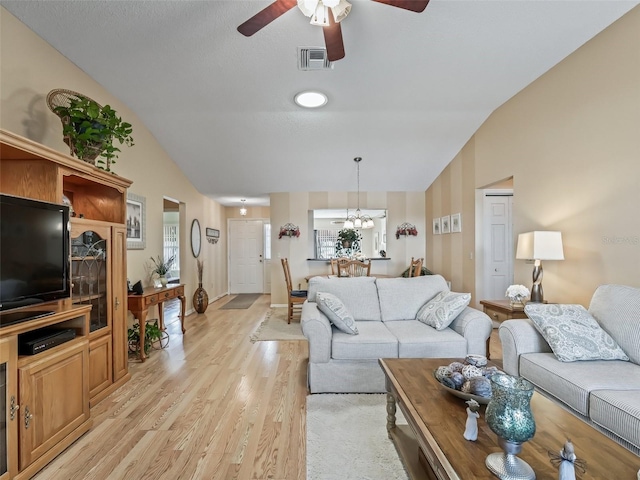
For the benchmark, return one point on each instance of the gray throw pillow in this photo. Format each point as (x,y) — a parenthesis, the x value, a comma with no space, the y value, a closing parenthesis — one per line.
(572,333)
(336,312)
(442,309)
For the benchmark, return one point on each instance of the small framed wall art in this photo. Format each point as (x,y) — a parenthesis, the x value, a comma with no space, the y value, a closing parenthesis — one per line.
(456,223)
(445,223)
(436,226)
(136,222)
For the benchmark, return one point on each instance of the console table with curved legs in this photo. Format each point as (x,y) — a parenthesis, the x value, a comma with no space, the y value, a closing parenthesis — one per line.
(139,305)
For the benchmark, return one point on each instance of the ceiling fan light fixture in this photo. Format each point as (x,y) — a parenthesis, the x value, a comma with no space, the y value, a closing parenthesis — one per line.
(311,99)
(341,10)
(320,16)
(318,10)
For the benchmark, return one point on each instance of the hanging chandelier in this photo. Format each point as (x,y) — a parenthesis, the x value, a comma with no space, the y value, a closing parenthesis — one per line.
(358,220)
(243,209)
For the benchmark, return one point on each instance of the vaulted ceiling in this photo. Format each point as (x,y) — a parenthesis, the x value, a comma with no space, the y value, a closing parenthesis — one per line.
(410,92)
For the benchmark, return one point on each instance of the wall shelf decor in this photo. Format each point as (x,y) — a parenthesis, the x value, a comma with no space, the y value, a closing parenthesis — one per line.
(406,229)
(289,230)
(213,235)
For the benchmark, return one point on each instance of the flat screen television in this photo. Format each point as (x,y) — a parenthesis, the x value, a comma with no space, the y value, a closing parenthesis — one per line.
(34,257)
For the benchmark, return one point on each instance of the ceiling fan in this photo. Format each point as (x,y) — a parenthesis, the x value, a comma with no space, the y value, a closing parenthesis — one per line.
(325,13)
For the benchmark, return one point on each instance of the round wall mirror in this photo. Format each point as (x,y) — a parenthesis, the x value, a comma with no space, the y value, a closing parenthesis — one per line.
(195,238)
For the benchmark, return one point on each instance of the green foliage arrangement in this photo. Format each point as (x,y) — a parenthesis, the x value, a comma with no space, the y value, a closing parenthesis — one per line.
(91,130)
(152,334)
(162,267)
(348,235)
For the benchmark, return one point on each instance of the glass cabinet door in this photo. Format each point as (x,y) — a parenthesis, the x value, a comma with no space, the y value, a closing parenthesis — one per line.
(89,276)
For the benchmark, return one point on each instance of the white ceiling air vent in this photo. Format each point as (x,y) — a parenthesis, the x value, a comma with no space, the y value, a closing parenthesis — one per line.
(313,58)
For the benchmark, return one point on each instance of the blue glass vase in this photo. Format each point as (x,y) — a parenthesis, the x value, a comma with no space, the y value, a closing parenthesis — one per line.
(509,416)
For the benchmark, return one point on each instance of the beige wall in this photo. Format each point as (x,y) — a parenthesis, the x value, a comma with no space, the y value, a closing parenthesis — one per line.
(29,69)
(294,208)
(571,141)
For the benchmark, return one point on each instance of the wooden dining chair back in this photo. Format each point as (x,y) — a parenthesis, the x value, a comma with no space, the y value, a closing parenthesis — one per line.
(296,297)
(415,269)
(355,268)
(335,264)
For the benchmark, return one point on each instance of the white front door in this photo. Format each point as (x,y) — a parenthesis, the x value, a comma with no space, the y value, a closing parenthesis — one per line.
(498,240)
(246,266)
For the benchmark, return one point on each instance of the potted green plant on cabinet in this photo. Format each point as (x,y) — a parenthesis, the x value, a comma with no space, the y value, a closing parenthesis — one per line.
(90,129)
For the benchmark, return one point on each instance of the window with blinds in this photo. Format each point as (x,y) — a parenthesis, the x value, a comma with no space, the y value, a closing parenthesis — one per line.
(171,245)
(325,243)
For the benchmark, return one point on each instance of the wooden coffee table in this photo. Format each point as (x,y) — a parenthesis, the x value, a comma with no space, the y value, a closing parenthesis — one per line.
(432,445)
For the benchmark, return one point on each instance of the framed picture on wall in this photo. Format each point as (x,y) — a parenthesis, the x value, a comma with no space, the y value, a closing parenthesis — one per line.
(456,223)
(445,223)
(136,222)
(436,226)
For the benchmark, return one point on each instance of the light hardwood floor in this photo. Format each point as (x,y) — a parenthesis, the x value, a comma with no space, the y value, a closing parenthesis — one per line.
(212,405)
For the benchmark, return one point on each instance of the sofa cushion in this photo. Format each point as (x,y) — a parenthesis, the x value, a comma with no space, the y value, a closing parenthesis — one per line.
(359,294)
(401,298)
(336,312)
(373,341)
(571,382)
(617,411)
(617,309)
(572,333)
(441,310)
(417,340)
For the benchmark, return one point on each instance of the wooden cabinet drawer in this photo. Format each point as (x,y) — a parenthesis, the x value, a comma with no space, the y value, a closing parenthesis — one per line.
(497,316)
(151,299)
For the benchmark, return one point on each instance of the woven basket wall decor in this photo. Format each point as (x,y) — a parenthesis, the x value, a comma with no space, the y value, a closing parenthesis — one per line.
(60,98)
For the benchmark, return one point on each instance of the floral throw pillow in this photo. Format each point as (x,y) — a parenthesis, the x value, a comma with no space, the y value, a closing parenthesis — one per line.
(442,309)
(336,312)
(572,333)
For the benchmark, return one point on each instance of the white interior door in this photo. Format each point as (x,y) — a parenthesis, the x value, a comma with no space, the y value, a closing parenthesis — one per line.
(498,235)
(246,265)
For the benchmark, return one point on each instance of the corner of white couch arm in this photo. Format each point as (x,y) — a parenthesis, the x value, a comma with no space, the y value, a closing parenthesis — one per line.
(317,329)
(518,337)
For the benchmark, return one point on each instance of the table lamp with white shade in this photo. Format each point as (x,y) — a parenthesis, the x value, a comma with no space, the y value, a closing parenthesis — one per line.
(539,246)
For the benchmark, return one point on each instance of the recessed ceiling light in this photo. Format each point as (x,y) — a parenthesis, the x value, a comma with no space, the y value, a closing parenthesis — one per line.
(311,99)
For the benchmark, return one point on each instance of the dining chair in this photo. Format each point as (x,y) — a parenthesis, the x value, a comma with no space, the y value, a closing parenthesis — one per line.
(296,297)
(335,264)
(354,268)
(415,269)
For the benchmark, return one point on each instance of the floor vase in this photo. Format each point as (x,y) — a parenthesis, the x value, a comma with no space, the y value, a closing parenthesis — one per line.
(200,299)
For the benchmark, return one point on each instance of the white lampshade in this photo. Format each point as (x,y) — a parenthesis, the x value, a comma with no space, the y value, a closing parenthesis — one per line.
(540,246)
(348,224)
(341,11)
(318,10)
(321,16)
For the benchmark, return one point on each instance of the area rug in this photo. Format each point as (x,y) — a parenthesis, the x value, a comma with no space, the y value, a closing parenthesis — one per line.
(347,438)
(241,301)
(275,327)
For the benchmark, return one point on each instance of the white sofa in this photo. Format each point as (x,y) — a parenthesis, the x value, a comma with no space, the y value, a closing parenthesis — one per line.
(385,310)
(605,393)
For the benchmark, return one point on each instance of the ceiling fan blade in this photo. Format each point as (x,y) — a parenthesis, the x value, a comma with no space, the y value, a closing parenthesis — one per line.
(265,16)
(413,5)
(333,39)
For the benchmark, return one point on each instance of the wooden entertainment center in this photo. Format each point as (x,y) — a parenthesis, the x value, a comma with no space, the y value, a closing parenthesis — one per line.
(49,394)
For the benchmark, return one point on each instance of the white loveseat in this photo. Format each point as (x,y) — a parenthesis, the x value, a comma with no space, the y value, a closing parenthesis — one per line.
(605,393)
(385,310)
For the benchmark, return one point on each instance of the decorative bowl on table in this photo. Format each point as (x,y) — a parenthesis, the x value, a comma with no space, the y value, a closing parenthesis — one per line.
(468,379)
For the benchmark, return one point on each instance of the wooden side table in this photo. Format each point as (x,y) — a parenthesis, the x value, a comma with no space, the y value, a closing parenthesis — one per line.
(139,306)
(499,311)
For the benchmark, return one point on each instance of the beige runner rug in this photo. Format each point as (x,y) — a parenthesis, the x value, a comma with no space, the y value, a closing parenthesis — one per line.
(275,327)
